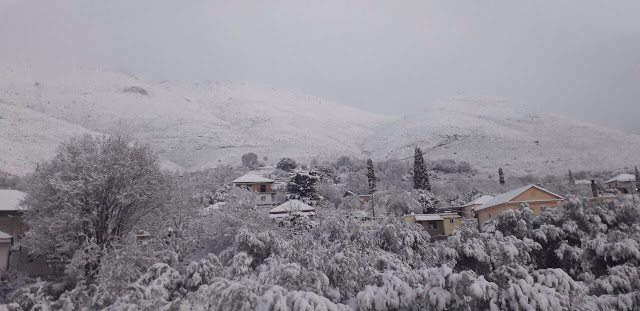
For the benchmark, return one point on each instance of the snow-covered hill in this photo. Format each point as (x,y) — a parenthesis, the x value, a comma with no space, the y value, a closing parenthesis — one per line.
(191,124)
(490,133)
(196,125)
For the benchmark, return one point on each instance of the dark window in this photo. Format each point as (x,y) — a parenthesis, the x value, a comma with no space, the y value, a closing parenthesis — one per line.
(450,220)
(263,188)
(433,225)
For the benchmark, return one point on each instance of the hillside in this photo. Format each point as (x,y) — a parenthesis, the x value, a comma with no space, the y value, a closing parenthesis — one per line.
(490,133)
(193,125)
(197,125)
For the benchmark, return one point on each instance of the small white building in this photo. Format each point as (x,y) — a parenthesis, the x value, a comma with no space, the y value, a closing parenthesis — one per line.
(292,207)
(258,184)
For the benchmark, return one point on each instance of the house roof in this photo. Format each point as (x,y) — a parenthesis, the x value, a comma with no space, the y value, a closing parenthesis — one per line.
(508,196)
(428,217)
(251,178)
(10,200)
(5,236)
(479,201)
(582,182)
(292,206)
(285,215)
(621,177)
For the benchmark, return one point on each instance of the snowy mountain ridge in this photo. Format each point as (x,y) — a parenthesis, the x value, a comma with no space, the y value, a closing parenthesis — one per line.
(197,125)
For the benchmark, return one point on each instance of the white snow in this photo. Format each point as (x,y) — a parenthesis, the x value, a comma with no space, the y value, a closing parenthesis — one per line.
(250,178)
(10,200)
(622,178)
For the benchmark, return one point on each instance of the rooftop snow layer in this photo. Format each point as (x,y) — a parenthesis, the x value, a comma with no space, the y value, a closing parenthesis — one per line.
(292,206)
(621,178)
(250,178)
(428,217)
(508,196)
(10,200)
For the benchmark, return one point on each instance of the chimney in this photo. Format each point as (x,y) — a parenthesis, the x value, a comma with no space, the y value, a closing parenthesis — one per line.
(594,188)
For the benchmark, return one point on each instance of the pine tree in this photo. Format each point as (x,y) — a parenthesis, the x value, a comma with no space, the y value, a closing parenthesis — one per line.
(571,180)
(637,180)
(420,174)
(371,177)
(501,175)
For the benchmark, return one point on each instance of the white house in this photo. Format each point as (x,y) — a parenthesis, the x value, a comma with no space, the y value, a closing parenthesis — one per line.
(292,207)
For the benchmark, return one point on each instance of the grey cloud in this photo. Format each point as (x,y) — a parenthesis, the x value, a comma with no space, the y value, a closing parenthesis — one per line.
(578,58)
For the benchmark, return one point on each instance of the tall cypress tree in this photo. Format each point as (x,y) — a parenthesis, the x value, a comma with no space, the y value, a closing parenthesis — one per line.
(371,177)
(420,173)
(571,180)
(501,176)
(637,180)
(425,178)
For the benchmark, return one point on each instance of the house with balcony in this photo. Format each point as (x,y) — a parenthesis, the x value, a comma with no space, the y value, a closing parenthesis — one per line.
(260,185)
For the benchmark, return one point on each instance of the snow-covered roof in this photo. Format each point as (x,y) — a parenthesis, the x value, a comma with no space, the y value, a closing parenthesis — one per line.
(251,178)
(582,182)
(10,200)
(621,178)
(508,196)
(4,236)
(292,206)
(429,217)
(479,201)
(285,215)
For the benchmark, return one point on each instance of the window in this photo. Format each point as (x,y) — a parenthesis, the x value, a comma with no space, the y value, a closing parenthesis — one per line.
(433,225)
(263,188)
(450,220)
(543,208)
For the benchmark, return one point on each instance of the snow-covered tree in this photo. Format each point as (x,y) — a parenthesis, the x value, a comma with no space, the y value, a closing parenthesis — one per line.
(302,186)
(95,191)
(250,160)
(287,164)
(571,180)
(501,176)
(420,173)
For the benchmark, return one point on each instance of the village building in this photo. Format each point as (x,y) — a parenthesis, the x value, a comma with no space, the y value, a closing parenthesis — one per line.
(258,184)
(15,256)
(292,208)
(10,212)
(437,225)
(537,198)
(625,183)
(466,210)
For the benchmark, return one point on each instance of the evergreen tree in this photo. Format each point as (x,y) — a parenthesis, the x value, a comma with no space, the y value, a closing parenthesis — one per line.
(501,175)
(637,180)
(303,187)
(420,174)
(571,180)
(371,177)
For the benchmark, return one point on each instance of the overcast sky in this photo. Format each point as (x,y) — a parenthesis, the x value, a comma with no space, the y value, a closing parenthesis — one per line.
(578,58)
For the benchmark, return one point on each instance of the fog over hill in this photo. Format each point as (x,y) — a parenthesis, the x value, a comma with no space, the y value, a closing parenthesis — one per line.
(197,125)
